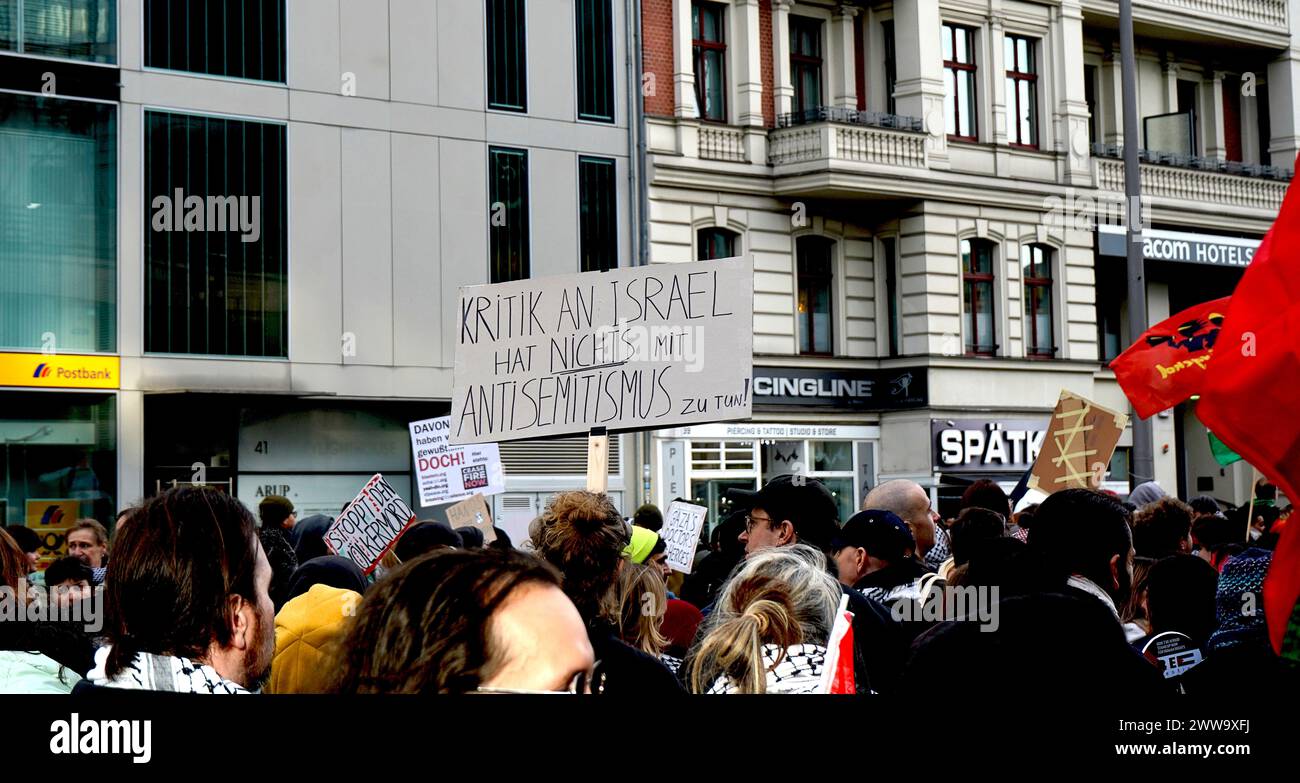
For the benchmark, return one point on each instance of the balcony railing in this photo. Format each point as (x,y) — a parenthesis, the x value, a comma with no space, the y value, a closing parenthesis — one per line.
(1259,14)
(873,119)
(1196,185)
(1196,162)
(847,135)
(1269,12)
(720,142)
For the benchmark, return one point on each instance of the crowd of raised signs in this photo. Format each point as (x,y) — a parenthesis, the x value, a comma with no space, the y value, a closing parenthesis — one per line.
(1083,593)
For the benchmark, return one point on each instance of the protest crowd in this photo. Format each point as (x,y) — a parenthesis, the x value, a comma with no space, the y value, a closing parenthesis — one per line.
(1065,596)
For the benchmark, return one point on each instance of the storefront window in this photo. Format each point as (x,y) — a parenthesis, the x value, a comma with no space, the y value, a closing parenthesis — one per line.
(832,455)
(712,494)
(842,490)
(59,459)
(58,220)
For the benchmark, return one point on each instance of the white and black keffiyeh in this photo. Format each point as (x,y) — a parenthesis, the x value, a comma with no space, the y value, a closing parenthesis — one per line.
(149,672)
(800,671)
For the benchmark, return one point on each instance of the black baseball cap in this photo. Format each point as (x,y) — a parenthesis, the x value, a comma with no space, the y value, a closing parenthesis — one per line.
(805,501)
(882,533)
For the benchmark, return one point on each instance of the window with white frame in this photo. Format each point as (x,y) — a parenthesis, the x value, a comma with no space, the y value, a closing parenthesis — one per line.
(1021,62)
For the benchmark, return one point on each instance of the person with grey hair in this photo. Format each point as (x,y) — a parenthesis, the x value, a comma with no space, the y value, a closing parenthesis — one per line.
(769,631)
(911,503)
(1146,493)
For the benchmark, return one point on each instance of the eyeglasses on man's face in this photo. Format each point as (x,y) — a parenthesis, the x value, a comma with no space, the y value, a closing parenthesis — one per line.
(751,520)
(585,682)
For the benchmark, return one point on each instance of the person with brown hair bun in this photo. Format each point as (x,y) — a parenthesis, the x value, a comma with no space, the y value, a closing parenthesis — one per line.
(768,633)
(583,535)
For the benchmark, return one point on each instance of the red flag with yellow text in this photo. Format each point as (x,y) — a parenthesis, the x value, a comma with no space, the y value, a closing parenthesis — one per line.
(1167,364)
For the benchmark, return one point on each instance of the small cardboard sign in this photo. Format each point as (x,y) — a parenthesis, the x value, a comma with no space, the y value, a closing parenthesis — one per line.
(473,512)
(1081,438)
(370,524)
(1173,653)
(681,532)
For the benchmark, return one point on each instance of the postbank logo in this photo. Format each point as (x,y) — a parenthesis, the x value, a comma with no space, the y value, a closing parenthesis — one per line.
(71,371)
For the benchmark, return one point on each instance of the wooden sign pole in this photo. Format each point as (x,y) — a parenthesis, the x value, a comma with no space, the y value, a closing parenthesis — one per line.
(597,460)
(1250,513)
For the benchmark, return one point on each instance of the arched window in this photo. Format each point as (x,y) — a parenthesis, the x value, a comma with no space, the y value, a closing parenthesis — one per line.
(1036,261)
(813,257)
(714,243)
(977,296)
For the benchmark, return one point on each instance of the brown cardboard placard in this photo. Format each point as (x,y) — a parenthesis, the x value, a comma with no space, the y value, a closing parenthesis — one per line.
(473,512)
(1081,438)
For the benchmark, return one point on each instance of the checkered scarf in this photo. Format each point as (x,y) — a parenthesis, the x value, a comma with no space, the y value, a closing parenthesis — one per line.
(800,670)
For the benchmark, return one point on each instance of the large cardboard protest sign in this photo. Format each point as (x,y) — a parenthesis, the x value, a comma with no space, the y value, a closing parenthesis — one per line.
(681,532)
(370,524)
(1081,438)
(632,348)
(445,473)
(473,512)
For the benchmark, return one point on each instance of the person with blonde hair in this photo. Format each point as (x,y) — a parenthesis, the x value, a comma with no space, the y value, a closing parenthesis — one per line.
(642,600)
(769,629)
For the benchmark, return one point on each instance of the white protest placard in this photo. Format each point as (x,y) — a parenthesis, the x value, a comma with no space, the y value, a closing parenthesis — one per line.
(681,532)
(632,348)
(445,473)
(370,524)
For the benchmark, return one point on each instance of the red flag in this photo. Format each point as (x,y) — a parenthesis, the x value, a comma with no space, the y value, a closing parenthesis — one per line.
(1282,585)
(1248,399)
(837,676)
(1167,364)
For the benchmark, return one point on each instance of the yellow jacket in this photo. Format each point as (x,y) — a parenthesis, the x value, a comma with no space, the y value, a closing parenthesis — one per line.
(307,632)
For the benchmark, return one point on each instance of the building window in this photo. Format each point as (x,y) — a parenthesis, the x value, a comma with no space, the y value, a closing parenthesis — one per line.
(806,62)
(58,221)
(1090,97)
(890,257)
(813,256)
(216,245)
(72,29)
(1036,261)
(508,214)
(595,45)
(597,214)
(242,39)
(1187,104)
(507,60)
(1263,125)
(710,50)
(977,292)
(1022,91)
(959,78)
(891,66)
(1232,117)
(60,456)
(714,243)
(1111,287)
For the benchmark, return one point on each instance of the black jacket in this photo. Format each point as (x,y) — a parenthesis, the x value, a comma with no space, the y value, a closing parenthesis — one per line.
(879,642)
(625,669)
